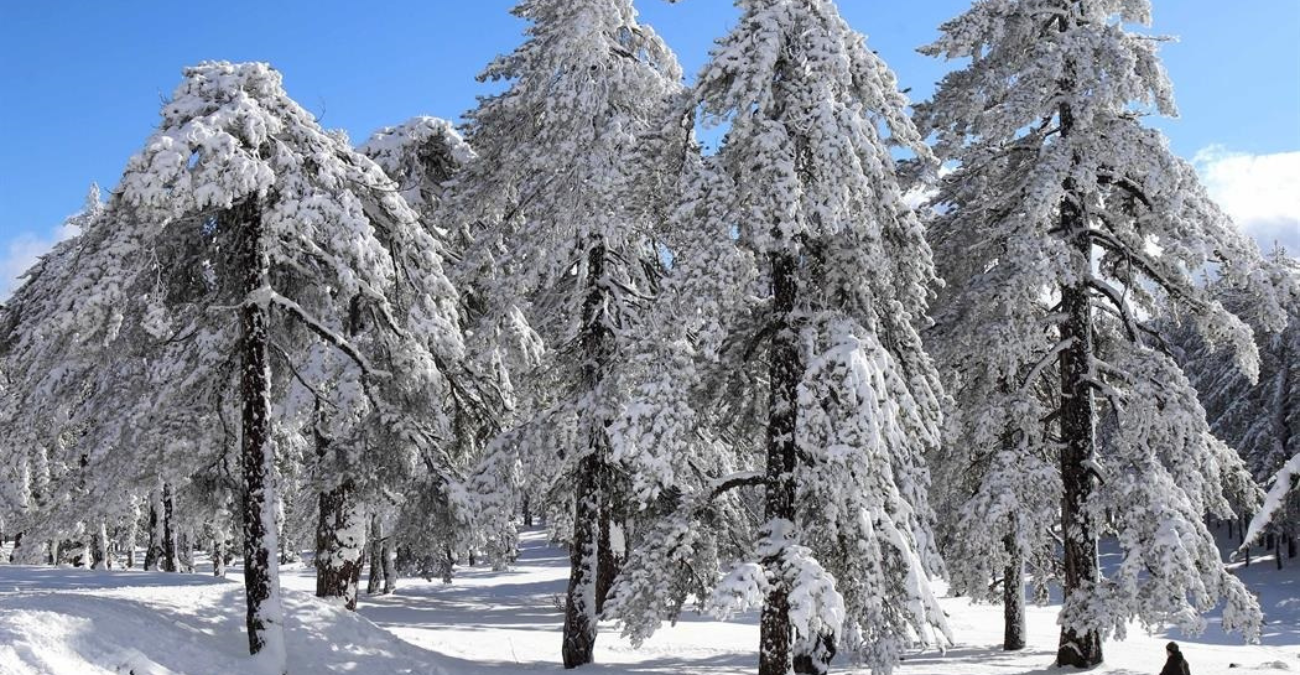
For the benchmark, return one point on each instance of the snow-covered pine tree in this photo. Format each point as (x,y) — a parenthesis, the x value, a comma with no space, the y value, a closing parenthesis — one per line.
(425,156)
(46,384)
(1260,420)
(688,484)
(555,234)
(996,477)
(241,203)
(1090,225)
(825,342)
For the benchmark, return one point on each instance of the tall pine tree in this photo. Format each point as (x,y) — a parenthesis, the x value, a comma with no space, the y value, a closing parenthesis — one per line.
(1083,228)
(818,324)
(559,237)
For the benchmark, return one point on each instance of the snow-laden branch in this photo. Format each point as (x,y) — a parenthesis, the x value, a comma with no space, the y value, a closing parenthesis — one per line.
(267,296)
(1047,360)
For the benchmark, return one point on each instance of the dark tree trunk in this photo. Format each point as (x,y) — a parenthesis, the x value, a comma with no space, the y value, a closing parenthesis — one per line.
(338,555)
(1078,414)
(580,611)
(1013,598)
(18,542)
(376,556)
(606,564)
(257,454)
(814,657)
(153,551)
(168,532)
(388,559)
(99,548)
(1290,545)
(785,370)
(528,511)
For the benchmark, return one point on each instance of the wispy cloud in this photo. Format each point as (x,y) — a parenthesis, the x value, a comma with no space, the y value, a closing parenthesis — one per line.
(1260,192)
(24,250)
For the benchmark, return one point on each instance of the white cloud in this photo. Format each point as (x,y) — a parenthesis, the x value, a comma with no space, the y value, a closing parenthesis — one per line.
(24,250)
(1260,192)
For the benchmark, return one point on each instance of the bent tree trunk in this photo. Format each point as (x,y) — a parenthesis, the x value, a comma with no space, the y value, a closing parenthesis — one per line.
(257,455)
(784,370)
(340,538)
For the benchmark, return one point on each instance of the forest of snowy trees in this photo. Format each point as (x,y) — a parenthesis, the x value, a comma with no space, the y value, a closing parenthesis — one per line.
(751,378)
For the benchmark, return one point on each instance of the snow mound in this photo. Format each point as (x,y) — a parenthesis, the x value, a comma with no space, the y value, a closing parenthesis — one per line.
(134,622)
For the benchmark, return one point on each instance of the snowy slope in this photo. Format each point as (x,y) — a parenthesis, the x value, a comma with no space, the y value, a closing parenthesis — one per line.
(70,622)
(73,622)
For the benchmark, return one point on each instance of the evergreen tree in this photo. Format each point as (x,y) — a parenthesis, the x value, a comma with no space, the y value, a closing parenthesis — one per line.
(556,235)
(444,518)
(822,344)
(1085,230)
(1261,420)
(241,203)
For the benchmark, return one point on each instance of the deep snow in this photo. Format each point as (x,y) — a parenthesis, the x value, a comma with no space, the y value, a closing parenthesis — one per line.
(68,621)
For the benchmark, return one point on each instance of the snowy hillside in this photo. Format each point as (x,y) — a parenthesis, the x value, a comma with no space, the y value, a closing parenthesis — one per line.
(74,622)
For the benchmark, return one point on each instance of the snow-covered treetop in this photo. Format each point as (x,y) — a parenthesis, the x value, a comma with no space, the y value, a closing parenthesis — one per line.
(813,115)
(1050,107)
(1022,50)
(231,133)
(420,155)
(556,147)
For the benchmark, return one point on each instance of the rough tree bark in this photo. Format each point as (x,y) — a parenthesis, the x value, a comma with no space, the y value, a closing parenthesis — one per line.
(257,454)
(388,558)
(1081,649)
(168,532)
(99,548)
(606,564)
(580,611)
(338,545)
(132,533)
(785,370)
(580,604)
(375,537)
(219,555)
(1013,597)
(153,550)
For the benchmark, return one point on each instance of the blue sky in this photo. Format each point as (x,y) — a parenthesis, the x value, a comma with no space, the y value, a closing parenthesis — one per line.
(81,83)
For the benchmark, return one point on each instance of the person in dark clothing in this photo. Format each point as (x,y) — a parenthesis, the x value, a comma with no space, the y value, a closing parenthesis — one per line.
(1176,665)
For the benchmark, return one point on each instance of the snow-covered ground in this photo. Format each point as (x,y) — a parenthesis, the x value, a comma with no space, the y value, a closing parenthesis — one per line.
(75,622)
